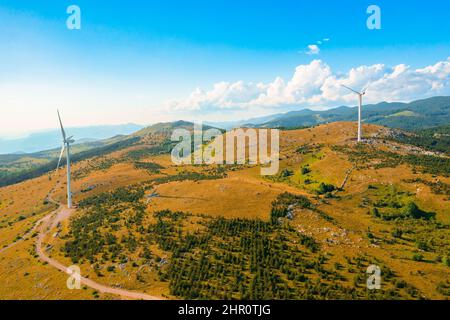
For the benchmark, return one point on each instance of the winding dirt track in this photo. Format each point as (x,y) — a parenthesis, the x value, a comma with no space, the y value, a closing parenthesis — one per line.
(44,226)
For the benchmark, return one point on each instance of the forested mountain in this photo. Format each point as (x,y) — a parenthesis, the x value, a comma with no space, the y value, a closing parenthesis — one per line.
(420,114)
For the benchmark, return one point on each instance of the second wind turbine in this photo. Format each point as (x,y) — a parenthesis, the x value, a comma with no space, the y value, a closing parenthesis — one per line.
(360,96)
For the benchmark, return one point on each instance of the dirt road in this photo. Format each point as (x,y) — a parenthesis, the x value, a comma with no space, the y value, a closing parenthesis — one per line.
(49,222)
(46,225)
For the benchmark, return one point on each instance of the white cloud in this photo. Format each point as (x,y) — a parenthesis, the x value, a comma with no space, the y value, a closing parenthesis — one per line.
(313,49)
(315,85)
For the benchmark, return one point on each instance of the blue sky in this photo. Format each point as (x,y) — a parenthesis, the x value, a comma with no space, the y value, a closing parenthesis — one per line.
(143,62)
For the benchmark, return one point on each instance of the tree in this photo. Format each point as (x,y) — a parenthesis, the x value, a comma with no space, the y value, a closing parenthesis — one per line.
(305,170)
(325,188)
(417,257)
(397,233)
(286,173)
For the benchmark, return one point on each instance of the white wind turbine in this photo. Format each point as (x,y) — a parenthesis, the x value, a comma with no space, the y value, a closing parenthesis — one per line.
(360,96)
(66,145)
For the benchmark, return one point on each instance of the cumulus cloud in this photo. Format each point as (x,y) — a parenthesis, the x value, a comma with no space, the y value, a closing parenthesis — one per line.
(315,85)
(313,49)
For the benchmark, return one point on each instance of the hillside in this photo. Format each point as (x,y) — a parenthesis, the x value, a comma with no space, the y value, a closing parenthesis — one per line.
(15,168)
(212,232)
(435,139)
(19,167)
(416,115)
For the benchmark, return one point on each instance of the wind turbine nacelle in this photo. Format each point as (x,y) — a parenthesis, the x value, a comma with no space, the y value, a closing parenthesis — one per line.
(70,141)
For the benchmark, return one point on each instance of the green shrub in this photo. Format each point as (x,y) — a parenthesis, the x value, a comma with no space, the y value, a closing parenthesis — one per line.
(305,170)
(397,233)
(422,245)
(286,173)
(412,210)
(417,257)
(324,188)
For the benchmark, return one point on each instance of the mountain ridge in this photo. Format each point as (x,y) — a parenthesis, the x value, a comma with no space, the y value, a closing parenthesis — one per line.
(416,115)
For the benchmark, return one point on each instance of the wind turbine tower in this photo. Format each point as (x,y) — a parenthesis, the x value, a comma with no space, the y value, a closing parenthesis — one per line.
(66,146)
(360,98)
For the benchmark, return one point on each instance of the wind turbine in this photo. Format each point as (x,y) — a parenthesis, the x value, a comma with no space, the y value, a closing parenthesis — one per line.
(66,146)
(360,96)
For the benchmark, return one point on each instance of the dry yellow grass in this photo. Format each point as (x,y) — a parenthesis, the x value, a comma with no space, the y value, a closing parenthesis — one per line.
(231,197)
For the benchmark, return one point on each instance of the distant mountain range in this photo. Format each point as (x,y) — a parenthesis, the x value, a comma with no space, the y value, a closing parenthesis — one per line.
(417,115)
(52,139)
(242,123)
(19,167)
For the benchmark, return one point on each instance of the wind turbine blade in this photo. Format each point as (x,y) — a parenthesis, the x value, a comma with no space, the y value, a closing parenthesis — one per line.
(350,89)
(60,156)
(365,89)
(62,128)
